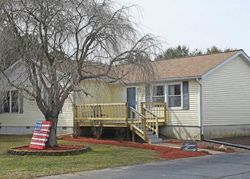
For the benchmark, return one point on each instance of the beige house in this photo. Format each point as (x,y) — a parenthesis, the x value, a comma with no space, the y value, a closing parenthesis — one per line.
(193,97)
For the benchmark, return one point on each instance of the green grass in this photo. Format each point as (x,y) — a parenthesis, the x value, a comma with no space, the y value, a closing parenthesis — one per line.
(100,156)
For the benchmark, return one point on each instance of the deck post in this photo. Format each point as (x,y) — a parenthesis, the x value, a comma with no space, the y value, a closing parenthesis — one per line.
(133,135)
(126,110)
(132,123)
(75,123)
(165,113)
(144,122)
(142,108)
(157,128)
(144,129)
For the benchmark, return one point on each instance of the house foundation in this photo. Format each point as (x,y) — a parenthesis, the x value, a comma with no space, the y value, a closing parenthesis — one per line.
(222,131)
(26,130)
(181,132)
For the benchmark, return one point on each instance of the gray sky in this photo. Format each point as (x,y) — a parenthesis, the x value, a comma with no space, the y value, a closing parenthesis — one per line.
(196,23)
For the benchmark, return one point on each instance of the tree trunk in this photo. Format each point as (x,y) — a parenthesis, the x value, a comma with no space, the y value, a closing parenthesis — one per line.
(52,142)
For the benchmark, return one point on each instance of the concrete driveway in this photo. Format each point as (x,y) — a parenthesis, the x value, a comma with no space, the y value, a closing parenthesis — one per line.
(221,166)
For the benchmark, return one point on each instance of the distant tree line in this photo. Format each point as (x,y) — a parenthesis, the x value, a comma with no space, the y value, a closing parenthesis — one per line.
(184,51)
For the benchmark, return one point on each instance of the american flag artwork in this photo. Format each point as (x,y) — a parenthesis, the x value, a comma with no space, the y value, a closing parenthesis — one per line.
(40,135)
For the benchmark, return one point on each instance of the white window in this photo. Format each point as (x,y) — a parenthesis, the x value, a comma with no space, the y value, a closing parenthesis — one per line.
(10,102)
(158,93)
(175,95)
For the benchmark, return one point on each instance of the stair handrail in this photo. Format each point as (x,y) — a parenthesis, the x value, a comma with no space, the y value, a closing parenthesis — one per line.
(135,111)
(159,107)
(143,131)
(156,121)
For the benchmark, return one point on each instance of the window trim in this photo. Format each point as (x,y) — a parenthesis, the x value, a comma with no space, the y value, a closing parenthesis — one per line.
(181,88)
(10,102)
(152,91)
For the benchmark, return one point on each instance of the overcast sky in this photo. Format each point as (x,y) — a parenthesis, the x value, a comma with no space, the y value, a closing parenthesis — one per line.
(196,23)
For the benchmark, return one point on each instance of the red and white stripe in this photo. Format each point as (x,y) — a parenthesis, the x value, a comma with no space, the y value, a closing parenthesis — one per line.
(40,137)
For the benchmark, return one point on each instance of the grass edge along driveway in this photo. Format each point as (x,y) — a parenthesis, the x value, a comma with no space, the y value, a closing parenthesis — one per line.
(101,156)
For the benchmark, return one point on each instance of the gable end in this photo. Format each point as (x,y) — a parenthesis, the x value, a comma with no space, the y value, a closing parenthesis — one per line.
(241,54)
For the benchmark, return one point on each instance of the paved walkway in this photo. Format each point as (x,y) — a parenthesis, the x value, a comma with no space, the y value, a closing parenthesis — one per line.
(221,166)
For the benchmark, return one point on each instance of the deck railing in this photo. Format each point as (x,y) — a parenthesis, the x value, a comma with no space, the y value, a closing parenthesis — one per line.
(105,111)
(157,109)
(149,118)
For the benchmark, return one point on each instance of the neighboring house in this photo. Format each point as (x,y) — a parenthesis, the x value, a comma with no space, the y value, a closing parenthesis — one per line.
(207,95)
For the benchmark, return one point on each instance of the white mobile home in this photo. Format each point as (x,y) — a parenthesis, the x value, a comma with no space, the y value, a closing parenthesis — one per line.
(207,95)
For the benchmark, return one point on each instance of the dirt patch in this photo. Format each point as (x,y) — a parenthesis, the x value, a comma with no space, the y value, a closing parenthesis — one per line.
(204,145)
(165,152)
(215,147)
(50,151)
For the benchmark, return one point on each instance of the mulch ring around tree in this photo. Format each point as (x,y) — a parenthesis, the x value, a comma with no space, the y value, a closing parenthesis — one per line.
(165,152)
(50,151)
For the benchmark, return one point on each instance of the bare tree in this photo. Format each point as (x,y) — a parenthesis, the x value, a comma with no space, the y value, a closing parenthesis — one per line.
(64,42)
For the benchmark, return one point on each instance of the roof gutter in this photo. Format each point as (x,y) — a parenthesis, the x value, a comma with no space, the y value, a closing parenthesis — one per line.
(201,110)
(163,80)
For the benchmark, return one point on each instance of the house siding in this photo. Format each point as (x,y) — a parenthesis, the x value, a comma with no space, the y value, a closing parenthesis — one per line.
(66,116)
(91,92)
(23,123)
(226,99)
(140,96)
(119,94)
(185,124)
(31,114)
(190,117)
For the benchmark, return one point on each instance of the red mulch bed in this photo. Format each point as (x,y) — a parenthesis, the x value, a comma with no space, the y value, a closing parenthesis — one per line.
(165,152)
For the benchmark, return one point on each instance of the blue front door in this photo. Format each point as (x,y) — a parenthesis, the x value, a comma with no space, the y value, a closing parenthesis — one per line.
(131,97)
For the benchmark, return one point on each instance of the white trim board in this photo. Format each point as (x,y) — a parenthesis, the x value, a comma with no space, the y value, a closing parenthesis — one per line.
(234,57)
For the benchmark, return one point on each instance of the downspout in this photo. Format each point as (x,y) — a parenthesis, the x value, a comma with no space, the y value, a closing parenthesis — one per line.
(201,110)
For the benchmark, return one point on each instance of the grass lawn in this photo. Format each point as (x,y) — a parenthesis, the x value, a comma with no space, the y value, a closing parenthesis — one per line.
(101,156)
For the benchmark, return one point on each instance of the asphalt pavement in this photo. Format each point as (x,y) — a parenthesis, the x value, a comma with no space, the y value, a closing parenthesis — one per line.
(219,166)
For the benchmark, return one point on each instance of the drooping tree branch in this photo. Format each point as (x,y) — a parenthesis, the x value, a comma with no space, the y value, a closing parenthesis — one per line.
(62,43)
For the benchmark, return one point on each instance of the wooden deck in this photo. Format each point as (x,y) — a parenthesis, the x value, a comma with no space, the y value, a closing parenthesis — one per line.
(116,114)
(105,115)
(148,119)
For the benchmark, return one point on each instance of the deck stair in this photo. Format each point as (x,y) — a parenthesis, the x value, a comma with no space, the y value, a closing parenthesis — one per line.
(152,138)
(145,125)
